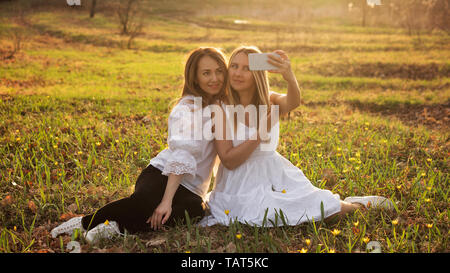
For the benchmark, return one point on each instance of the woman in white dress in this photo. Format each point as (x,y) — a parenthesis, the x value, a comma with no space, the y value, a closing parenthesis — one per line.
(264,188)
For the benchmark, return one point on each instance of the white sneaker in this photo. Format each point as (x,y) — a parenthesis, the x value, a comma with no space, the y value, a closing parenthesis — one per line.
(371,201)
(68,227)
(103,231)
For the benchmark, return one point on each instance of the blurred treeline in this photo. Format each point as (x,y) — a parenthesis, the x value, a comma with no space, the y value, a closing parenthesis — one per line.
(415,16)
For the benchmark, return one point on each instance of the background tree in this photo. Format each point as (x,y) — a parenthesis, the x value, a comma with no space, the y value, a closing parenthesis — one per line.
(127,11)
(130,18)
(363,4)
(438,14)
(92,10)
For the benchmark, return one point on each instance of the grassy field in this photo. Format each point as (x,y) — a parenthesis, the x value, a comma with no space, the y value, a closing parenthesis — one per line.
(81,116)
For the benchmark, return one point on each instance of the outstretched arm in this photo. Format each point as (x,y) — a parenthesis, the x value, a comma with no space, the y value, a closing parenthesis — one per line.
(291,100)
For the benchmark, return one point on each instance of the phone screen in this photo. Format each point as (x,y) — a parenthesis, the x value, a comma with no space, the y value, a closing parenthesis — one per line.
(258,61)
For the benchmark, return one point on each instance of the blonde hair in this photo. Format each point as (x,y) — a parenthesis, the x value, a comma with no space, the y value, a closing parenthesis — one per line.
(261,80)
(261,96)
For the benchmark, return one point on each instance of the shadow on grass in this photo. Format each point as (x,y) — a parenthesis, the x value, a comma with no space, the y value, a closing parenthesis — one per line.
(427,71)
(433,116)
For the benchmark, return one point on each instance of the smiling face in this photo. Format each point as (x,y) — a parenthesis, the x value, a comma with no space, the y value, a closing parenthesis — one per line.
(241,78)
(210,76)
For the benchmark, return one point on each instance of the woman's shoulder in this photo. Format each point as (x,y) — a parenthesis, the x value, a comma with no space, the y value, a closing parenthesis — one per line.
(186,99)
(189,102)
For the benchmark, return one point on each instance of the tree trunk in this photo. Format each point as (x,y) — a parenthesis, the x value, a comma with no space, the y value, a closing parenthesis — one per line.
(364,12)
(94,2)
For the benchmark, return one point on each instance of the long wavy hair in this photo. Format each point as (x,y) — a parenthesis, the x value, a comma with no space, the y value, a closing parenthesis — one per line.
(190,86)
(261,96)
(261,79)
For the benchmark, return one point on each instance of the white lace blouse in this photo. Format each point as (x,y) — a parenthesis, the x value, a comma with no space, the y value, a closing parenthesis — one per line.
(189,153)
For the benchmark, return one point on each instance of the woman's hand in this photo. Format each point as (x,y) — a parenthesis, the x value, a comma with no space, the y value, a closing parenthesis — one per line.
(162,212)
(160,215)
(283,64)
(291,100)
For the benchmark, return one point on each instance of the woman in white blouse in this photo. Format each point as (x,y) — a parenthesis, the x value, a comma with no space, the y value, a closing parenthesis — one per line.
(177,179)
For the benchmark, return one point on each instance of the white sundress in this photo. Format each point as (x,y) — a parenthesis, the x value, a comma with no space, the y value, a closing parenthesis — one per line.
(267,190)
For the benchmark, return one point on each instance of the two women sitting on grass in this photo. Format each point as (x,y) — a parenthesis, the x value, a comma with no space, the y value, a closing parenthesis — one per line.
(254,183)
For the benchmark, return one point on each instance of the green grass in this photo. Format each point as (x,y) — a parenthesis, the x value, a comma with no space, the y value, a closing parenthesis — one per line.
(80,117)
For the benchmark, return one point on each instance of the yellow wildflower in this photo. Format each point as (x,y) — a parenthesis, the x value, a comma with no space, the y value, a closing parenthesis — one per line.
(98,144)
(331,250)
(335,232)
(395,222)
(238,236)
(283,191)
(429,159)
(303,250)
(106,222)
(308,242)
(429,225)
(356,223)
(227,212)
(366,240)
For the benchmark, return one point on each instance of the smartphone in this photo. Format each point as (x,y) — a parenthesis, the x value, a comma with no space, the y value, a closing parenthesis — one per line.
(258,61)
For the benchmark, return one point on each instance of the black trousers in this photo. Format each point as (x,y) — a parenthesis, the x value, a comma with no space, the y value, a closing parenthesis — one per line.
(131,213)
